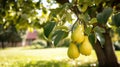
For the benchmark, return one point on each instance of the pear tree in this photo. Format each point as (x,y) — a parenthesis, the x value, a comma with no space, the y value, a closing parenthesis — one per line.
(15,17)
(98,17)
(89,24)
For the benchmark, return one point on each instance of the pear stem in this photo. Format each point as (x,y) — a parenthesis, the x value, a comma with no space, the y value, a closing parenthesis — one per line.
(74,24)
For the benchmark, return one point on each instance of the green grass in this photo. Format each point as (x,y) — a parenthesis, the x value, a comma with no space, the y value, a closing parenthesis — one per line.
(48,57)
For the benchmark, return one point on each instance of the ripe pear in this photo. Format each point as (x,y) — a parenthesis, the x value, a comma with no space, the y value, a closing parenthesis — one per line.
(85,48)
(78,34)
(73,51)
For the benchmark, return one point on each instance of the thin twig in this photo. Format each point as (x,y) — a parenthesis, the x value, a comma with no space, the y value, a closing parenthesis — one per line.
(74,24)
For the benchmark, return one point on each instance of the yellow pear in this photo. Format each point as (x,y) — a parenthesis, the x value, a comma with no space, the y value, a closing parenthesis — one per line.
(73,51)
(85,48)
(78,34)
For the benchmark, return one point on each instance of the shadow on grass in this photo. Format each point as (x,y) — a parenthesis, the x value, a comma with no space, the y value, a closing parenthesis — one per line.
(47,64)
(58,64)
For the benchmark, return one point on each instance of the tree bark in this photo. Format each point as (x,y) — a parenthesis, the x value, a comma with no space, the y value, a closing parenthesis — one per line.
(109,52)
(106,55)
(100,54)
(3,46)
(49,44)
(62,1)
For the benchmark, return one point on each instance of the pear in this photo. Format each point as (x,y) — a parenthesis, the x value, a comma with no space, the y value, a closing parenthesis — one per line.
(73,51)
(85,48)
(78,34)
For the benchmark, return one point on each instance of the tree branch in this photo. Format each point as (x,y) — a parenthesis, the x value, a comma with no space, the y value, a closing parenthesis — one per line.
(62,1)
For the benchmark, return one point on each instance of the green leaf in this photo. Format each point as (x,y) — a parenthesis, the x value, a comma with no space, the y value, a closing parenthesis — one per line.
(48,28)
(116,19)
(59,35)
(99,29)
(118,31)
(92,39)
(68,17)
(97,2)
(104,15)
(93,20)
(99,34)
(88,30)
(59,10)
(65,28)
(85,17)
(44,10)
(83,7)
(100,38)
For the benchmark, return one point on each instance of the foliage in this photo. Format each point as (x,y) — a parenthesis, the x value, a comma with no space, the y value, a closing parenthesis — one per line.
(9,34)
(96,17)
(15,17)
(48,28)
(115,19)
(103,16)
(99,19)
(90,13)
(19,10)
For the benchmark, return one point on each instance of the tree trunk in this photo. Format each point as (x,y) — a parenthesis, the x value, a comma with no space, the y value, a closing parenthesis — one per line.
(109,52)
(106,55)
(3,46)
(12,43)
(49,44)
(100,54)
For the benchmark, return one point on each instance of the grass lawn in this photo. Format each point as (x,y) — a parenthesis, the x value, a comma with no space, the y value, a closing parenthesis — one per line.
(48,57)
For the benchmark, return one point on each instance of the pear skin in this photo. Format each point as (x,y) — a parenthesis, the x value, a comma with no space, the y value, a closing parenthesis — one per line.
(85,48)
(78,34)
(73,51)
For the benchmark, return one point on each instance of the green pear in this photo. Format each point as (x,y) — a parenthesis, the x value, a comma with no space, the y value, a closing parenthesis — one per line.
(73,51)
(78,34)
(85,48)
